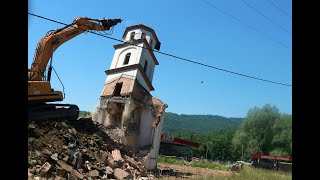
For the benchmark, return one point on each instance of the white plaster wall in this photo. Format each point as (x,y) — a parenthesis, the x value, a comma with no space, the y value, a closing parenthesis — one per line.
(115,58)
(150,161)
(145,131)
(141,81)
(148,37)
(127,74)
(120,54)
(151,65)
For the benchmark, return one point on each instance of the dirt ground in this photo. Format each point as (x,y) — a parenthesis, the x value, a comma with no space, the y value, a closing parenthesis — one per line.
(173,171)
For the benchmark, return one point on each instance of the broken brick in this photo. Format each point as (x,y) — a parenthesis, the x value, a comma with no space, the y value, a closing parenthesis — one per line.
(117,155)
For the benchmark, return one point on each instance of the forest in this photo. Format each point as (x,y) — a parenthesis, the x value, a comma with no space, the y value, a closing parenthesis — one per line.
(264,130)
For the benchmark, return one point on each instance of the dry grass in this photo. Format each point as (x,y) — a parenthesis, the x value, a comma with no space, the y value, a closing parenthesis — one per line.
(249,173)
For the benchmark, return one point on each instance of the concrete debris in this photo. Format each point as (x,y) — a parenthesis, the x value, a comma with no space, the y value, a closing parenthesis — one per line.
(94,173)
(99,159)
(88,165)
(112,163)
(121,174)
(143,178)
(135,164)
(45,168)
(79,149)
(59,178)
(54,156)
(77,174)
(109,170)
(65,166)
(46,151)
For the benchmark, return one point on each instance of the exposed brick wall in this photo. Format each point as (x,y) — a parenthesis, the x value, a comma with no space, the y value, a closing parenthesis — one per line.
(125,90)
(138,93)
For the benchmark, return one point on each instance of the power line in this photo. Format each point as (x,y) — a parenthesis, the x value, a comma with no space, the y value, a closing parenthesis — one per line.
(264,15)
(265,34)
(240,74)
(177,57)
(78,28)
(274,5)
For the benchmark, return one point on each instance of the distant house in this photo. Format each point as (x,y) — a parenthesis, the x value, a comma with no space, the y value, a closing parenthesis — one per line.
(276,163)
(172,146)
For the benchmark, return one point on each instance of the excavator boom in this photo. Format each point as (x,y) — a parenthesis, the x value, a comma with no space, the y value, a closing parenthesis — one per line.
(39,87)
(53,39)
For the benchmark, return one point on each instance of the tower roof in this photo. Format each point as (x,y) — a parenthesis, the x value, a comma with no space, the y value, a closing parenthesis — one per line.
(142,26)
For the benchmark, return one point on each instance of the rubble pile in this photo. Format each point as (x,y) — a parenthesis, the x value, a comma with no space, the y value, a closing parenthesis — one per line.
(79,150)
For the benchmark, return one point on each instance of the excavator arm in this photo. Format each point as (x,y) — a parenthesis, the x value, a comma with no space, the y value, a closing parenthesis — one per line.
(53,39)
(40,92)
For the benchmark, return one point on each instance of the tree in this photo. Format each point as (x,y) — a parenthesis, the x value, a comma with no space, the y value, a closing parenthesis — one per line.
(84,114)
(282,136)
(255,134)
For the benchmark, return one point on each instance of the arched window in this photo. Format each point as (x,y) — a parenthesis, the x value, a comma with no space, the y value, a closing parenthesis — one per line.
(132,35)
(126,59)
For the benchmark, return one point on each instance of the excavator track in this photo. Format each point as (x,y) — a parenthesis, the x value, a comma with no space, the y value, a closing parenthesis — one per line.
(52,112)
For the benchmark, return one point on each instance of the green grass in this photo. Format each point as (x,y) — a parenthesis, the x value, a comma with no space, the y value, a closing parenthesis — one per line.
(170,160)
(210,165)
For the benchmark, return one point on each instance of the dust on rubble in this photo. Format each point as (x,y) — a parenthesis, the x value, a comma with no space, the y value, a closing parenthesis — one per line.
(79,149)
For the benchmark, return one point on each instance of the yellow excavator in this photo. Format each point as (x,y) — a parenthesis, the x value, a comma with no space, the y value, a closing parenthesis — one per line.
(40,94)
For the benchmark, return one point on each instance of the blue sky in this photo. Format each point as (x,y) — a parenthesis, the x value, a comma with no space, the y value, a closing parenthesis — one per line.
(254,43)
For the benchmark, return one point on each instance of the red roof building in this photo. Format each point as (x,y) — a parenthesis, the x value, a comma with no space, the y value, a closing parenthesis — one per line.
(173,146)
